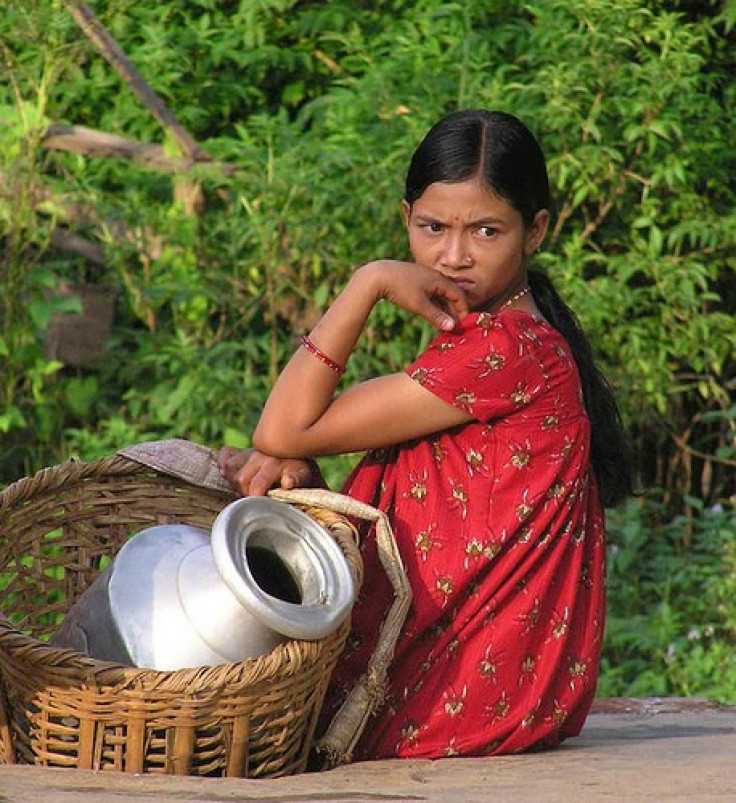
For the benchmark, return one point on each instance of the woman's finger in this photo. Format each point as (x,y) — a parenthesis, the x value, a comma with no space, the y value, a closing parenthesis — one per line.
(255,478)
(224,455)
(457,300)
(262,473)
(296,475)
(452,306)
(267,475)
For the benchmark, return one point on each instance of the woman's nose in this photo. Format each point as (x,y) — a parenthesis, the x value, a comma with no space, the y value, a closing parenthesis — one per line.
(456,253)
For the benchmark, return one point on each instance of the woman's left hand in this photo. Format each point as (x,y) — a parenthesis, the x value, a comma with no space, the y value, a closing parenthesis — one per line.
(252,473)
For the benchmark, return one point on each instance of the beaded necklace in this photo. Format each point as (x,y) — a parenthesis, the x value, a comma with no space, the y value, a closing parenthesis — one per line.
(513,298)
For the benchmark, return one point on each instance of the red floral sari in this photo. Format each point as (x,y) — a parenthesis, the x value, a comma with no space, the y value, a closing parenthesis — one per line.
(502,537)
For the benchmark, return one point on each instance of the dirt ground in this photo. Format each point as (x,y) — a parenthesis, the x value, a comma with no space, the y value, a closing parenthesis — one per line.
(630,750)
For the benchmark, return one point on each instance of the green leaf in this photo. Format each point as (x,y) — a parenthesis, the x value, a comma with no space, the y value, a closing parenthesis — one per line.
(11,419)
(235,437)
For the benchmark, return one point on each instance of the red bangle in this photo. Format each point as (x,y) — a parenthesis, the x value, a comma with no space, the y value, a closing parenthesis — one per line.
(322,357)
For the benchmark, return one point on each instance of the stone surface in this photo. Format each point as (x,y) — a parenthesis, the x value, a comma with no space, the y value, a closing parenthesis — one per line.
(629,750)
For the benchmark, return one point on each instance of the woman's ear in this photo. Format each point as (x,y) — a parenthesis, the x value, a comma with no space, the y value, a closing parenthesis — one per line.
(406,212)
(536,232)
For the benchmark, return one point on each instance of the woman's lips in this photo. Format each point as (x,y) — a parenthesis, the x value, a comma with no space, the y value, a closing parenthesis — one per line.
(464,284)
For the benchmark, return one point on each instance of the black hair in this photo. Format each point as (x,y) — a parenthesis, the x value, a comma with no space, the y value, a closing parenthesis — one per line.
(502,151)
(495,146)
(609,447)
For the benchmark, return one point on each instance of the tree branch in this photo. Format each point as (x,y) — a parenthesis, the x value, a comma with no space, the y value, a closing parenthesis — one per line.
(90,142)
(96,32)
(66,240)
(687,449)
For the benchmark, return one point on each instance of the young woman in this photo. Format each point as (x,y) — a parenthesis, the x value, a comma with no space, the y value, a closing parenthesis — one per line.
(492,455)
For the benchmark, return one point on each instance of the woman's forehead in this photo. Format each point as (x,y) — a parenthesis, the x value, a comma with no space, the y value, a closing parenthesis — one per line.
(461,200)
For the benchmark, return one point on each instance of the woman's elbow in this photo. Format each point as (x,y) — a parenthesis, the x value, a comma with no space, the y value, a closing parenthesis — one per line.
(276,442)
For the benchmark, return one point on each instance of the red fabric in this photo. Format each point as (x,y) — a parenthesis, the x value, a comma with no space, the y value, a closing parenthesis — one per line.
(502,537)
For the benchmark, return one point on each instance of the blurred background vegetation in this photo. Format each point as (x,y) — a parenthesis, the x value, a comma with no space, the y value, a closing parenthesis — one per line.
(157,294)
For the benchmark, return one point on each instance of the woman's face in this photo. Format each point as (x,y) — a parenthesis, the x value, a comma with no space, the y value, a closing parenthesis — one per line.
(474,237)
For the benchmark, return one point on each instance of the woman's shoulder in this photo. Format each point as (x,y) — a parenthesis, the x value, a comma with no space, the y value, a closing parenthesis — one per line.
(513,331)
(496,365)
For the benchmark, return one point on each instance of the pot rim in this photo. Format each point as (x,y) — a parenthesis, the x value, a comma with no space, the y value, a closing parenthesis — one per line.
(320,613)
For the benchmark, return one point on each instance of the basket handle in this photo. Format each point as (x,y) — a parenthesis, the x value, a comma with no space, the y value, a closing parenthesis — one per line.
(7,748)
(197,464)
(367,695)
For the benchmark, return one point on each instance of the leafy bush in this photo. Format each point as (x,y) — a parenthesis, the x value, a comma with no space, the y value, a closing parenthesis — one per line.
(671,627)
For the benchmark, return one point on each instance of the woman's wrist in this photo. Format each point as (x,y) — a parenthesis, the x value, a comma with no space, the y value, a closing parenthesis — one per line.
(370,280)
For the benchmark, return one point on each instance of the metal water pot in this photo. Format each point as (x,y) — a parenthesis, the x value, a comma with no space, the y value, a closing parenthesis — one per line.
(177,596)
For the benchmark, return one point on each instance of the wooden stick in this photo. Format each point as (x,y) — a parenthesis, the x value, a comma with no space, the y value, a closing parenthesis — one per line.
(90,142)
(66,240)
(96,32)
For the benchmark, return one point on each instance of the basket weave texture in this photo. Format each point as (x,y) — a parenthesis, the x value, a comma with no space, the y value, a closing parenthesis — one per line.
(255,718)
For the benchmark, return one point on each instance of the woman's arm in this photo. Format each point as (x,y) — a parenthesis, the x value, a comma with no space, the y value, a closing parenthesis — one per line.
(302,417)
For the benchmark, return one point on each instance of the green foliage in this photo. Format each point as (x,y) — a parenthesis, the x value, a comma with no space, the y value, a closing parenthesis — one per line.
(27,395)
(671,627)
(318,106)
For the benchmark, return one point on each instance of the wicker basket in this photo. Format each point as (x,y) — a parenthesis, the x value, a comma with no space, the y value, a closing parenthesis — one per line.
(255,718)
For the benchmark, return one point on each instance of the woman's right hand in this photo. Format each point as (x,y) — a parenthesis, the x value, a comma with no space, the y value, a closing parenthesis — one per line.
(418,289)
(252,473)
